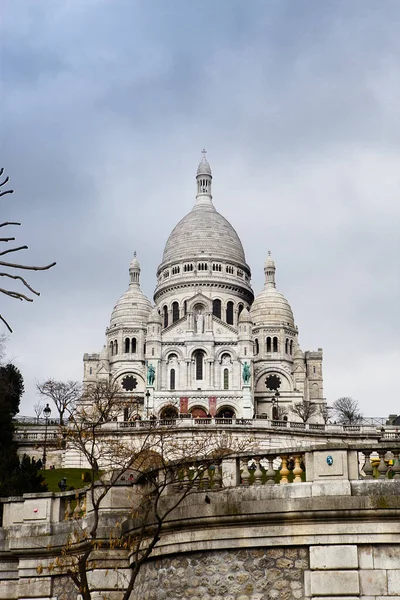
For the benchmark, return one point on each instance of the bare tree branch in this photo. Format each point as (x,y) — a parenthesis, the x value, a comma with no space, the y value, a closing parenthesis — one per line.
(19,278)
(13,250)
(11,293)
(305,410)
(347,411)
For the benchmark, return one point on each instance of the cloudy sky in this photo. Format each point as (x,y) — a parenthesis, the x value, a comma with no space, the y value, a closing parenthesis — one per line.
(105,107)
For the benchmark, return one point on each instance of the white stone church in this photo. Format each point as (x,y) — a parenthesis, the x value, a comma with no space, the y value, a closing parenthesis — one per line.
(207,347)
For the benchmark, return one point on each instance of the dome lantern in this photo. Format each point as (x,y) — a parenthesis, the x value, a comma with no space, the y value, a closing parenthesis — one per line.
(269,270)
(134,271)
(204,178)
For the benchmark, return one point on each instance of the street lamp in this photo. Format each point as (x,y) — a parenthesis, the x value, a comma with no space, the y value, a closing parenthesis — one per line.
(47,413)
(275,406)
(147,404)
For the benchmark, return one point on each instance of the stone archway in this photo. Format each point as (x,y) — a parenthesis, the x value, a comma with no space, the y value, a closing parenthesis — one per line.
(225,412)
(198,412)
(169,412)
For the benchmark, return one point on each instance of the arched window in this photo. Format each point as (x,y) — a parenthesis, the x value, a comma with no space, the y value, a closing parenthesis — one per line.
(287,346)
(115,347)
(127,345)
(241,307)
(229,313)
(257,346)
(226,379)
(268,344)
(291,347)
(198,358)
(165,315)
(172,379)
(133,350)
(217,308)
(185,307)
(275,344)
(175,312)
(112,348)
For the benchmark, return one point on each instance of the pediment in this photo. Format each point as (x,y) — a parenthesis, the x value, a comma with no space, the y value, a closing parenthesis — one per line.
(199,298)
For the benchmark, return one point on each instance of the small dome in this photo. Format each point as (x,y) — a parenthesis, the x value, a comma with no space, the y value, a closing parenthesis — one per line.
(244,316)
(204,167)
(155,316)
(271,307)
(133,308)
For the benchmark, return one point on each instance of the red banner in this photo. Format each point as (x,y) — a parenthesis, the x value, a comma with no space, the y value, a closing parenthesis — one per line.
(184,405)
(212,405)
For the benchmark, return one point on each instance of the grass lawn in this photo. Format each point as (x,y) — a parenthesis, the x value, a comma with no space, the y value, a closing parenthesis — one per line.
(74,478)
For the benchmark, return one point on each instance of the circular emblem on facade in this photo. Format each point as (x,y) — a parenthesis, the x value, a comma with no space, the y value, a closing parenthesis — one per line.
(329,460)
(273,382)
(129,383)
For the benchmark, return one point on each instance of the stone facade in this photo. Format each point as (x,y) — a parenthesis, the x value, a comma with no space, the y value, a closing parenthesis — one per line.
(205,330)
(263,573)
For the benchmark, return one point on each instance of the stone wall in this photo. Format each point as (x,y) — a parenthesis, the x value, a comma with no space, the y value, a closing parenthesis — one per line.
(263,573)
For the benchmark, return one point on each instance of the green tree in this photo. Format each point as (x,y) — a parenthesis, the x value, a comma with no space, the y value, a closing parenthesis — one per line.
(15,477)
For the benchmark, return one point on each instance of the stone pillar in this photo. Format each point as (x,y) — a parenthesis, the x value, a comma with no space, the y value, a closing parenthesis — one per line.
(247,404)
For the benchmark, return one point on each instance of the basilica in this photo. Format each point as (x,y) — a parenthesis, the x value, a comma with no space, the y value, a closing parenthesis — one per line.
(207,347)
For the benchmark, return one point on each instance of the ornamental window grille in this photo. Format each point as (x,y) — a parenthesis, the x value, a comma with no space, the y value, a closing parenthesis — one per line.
(166,274)
(175,312)
(229,313)
(229,269)
(188,267)
(217,308)
(216,267)
(240,273)
(202,266)
(175,270)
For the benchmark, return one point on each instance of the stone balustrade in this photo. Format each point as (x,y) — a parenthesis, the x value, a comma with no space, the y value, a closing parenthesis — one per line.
(313,522)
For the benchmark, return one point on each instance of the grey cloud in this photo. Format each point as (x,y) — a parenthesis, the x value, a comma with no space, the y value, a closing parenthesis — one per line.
(107,106)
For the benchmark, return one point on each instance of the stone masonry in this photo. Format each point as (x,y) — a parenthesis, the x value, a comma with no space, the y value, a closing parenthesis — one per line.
(260,574)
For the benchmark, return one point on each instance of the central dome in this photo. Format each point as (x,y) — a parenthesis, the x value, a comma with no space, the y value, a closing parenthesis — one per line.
(204,231)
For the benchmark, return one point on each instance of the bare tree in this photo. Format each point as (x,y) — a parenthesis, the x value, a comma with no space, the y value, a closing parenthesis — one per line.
(305,410)
(15,266)
(325,412)
(64,394)
(347,411)
(38,409)
(162,468)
